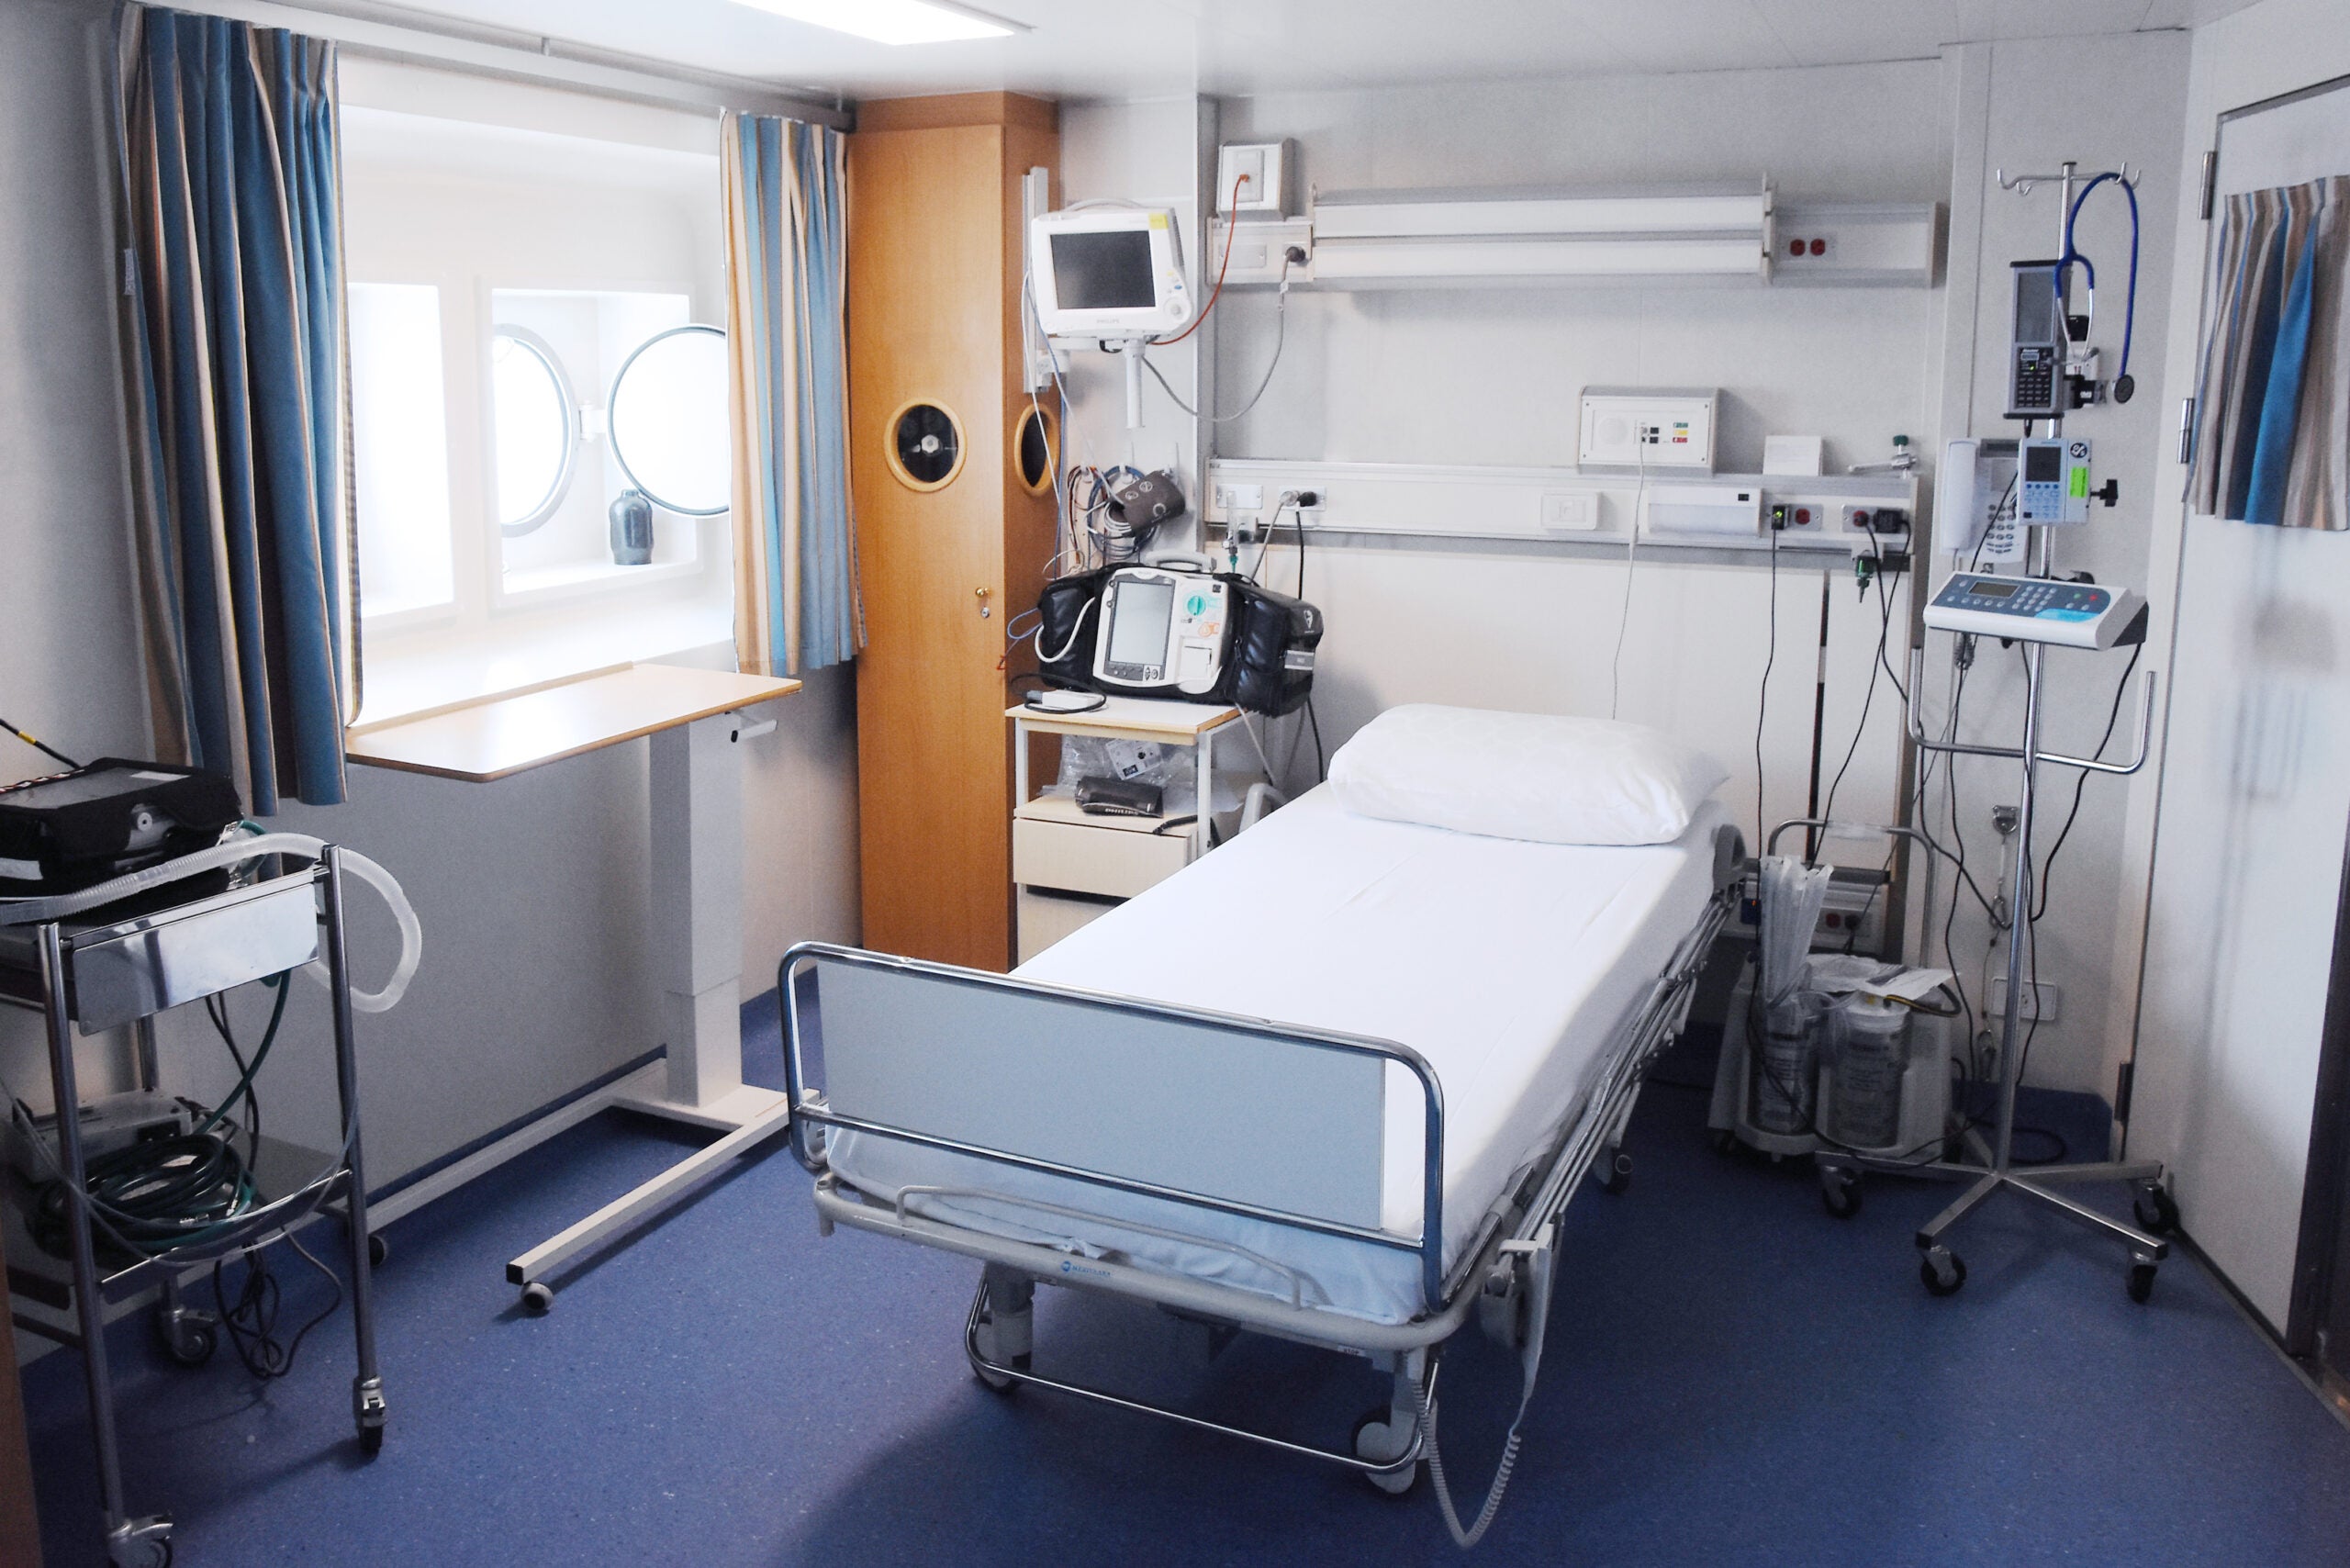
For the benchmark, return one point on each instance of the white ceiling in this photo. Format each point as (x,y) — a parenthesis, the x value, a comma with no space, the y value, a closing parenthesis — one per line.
(1081,48)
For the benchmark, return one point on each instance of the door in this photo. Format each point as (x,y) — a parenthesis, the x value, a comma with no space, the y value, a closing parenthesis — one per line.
(2242,1001)
(926,376)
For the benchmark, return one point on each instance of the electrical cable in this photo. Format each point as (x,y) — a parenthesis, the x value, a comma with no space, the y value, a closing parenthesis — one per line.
(1763,702)
(2080,784)
(250,1321)
(38,743)
(1868,698)
(1631,565)
(1280,339)
(1231,231)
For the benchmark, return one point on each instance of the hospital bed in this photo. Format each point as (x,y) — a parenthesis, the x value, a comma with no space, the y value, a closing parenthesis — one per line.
(1334,1082)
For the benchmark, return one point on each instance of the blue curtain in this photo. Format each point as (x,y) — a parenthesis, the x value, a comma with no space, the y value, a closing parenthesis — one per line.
(797,604)
(2272,421)
(233,338)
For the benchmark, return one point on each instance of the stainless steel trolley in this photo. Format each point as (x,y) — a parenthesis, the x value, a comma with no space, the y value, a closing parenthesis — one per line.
(105,969)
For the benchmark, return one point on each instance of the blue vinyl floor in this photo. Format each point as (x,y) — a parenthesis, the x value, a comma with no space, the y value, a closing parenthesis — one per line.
(1733,1377)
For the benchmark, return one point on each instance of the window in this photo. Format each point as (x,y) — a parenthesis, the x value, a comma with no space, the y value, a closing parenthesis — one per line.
(399,456)
(505,270)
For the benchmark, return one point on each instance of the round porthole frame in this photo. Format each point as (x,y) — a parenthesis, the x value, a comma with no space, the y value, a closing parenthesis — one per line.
(560,490)
(889,444)
(612,401)
(1033,418)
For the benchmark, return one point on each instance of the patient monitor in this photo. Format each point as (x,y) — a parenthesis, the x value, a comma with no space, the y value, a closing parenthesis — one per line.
(1162,628)
(1108,272)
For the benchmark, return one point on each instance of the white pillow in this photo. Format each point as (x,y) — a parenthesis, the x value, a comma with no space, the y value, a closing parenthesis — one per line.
(1536,776)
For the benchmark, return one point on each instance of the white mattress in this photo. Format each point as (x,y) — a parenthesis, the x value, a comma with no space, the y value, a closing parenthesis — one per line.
(1508,965)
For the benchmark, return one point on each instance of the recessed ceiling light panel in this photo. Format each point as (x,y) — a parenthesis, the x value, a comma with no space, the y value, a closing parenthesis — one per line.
(892,21)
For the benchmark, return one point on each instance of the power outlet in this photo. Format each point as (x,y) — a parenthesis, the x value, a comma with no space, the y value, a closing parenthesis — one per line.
(1231,498)
(2040,1003)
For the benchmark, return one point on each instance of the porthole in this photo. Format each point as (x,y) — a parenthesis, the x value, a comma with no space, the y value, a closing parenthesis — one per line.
(926,446)
(1032,450)
(536,425)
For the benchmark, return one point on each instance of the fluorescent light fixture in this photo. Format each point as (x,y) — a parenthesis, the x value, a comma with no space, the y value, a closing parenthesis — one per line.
(892,21)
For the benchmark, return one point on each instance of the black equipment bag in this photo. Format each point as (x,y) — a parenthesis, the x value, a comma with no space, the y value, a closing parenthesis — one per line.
(1268,654)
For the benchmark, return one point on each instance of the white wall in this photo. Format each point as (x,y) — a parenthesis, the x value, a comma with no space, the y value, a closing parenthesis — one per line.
(2227,1071)
(1492,377)
(69,666)
(2024,109)
(532,891)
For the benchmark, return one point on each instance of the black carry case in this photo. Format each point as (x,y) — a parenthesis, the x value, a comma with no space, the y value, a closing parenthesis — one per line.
(73,830)
(1267,655)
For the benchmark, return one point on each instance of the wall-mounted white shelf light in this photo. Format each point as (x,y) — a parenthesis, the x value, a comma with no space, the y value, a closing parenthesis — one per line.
(1439,239)
(1386,240)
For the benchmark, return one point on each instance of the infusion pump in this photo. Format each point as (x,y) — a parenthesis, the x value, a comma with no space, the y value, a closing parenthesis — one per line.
(2038,610)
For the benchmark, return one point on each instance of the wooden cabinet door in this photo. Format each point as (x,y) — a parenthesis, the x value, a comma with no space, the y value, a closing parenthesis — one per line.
(926,283)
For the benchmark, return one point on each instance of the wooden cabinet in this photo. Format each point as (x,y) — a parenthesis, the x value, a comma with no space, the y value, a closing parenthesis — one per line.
(951,542)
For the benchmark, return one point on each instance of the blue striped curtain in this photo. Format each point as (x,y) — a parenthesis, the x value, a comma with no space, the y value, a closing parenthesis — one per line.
(233,342)
(2272,420)
(796,600)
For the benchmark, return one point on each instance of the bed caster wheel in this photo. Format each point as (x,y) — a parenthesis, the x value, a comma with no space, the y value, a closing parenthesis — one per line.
(1725,1143)
(1615,1171)
(997,1382)
(537,1300)
(2142,1280)
(186,1338)
(1840,1191)
(1943,1271)
(141,1543)
(2157,1215)
(377,1249)
(1376,1439)
(371,1440)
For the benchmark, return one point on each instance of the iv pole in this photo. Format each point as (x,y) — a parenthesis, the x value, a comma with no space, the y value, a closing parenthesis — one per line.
(1993,1166)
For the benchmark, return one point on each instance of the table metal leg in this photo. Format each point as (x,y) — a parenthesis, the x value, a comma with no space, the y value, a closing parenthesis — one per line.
(126,1537)
(697,959)
(367,1408)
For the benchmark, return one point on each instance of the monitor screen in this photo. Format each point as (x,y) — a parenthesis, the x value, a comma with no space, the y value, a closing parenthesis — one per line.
(2035,305)
(1139,614)
(2042,465)
(1983,589)
(1103,271)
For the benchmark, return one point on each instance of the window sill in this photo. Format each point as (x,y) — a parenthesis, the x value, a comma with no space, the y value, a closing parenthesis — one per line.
(544,584)
(407,675)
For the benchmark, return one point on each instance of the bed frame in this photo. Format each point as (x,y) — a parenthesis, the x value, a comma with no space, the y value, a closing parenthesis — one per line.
(1110,1090)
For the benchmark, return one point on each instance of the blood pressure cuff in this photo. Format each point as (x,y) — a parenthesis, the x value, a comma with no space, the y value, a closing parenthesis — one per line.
(1268,664)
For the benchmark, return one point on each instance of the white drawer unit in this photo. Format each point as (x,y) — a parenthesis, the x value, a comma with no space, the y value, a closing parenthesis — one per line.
(1055,845)
(1069,868)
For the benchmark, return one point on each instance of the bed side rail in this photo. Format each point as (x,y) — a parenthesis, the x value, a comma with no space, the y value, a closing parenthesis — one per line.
(1238,1114)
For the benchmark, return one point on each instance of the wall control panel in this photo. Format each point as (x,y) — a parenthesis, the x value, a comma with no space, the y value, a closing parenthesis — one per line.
(1637,428)
(2036,609)
(2054,486)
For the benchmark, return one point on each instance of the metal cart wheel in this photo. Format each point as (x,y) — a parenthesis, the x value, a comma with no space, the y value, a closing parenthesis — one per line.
(377,1249)
(2141,1277)
(371,1440)
(1943,1271)
(188,1340)
(537,1299)
(2156,1211)
(1615,1174)
(1840,1191)
(1375,1439)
